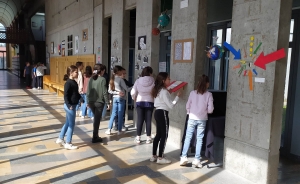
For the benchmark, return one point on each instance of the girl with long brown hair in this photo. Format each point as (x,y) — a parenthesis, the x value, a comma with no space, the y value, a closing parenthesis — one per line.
(71,97)
(199,104)
(163,104)
(97,97)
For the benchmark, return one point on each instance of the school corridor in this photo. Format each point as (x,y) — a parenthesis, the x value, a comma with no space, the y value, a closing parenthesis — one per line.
(30,121)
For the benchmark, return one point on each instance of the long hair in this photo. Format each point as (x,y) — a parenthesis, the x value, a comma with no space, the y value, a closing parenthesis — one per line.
(88,71)
(79,63)
(147,71)
(98,68)
(117,68)
(70,70)
(202,84)
(159,83)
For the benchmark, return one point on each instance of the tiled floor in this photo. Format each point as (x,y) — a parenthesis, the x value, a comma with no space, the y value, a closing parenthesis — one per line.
(30,121)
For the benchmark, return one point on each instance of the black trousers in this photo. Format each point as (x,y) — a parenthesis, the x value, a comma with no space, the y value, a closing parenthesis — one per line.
(144,114)
(162,130)
(40,81)
(97,109)
(28,80)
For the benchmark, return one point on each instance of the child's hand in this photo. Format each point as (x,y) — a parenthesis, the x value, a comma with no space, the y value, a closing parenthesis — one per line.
(121,93)
(179,93)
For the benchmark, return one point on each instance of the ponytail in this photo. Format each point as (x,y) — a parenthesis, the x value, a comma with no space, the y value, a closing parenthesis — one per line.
(98,68)
(117,68)
(70,70)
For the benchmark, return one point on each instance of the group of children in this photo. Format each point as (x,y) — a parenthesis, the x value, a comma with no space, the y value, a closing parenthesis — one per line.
(34,75)
(148,94)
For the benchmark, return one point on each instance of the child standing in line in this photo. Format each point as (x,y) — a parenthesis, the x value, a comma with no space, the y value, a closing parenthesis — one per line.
(40,73)
(199,104)
(27,75)
(118,88)
(163,103)
(79,81)
(97,97)
(71,97)
(86,77)
(129,85)
(34,78)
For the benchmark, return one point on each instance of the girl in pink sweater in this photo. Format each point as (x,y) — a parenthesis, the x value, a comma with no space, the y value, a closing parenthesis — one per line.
(141,94)
(199,104)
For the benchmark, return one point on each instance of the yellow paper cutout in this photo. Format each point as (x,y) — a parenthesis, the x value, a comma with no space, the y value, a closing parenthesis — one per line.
(243,62)
(251,49)
(252,38)
(251,44)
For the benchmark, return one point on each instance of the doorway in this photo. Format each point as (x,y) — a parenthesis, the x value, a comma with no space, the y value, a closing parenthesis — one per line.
(290,138)
(165,52)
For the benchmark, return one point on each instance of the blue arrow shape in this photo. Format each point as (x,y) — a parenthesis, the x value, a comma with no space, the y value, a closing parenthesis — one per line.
(237,54)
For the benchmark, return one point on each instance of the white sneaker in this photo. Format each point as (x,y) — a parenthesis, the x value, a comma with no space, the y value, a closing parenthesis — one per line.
(137,140)
(82,117)
(108,132)
(153,159)
(196,163)
(163,161)
(80,113)
(92,118)
(183,161)
(34,88)
(70,146)
(60,141)
(149,140)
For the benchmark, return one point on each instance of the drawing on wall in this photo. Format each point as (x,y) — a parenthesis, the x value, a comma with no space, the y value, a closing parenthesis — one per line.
(63,52)
(84,48)
(145,59)
(113,61)
(76,44)
(142,43)
(63,42)
(85,35)
(187,51)
(137,66)
(115,44)
(59,49)
(99,50)
(139,57)
(52,47)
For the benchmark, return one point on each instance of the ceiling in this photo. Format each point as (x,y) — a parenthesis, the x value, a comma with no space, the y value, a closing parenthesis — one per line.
(8,10)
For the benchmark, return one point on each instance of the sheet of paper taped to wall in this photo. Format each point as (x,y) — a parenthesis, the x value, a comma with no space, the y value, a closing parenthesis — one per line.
(174,85)
(261,80)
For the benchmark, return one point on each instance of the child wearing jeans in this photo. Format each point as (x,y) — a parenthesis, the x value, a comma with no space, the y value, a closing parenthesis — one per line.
(71,97)
(163,104)
(86,77)
(199,104)
(118,88)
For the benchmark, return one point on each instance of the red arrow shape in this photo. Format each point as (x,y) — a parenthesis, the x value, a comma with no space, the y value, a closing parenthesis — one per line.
(262,60)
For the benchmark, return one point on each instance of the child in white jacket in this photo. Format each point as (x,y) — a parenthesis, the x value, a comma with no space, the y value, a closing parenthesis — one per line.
(40,73)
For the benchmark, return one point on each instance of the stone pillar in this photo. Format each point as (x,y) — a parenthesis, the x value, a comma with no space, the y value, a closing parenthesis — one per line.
(254,118)
(147,13)
(100,35)
(120,33)
(187,23)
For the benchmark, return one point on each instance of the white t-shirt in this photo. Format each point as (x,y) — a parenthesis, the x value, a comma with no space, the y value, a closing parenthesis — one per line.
(40,70)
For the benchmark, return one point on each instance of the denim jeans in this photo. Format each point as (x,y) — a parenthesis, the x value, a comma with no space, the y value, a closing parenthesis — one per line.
(118,110)
(192,124)
(68,127)
(84,110)
(104,110)
(79,105)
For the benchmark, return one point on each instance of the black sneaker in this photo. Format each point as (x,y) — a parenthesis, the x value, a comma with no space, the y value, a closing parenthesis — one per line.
(97,139)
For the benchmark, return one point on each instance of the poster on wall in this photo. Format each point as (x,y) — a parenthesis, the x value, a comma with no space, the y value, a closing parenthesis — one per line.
(142,43)
(162,67)
(76,44)
(59,49)
(63,52)
(85,35)
(183,51)
(52,47)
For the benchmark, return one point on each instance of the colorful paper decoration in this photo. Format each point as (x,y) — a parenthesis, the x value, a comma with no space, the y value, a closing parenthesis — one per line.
(237,54)
(250,80)
(254,71)
(251,45)
(163,19)
(263,60)
(237,66)
(155,31)
(257,48)
(215,52)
